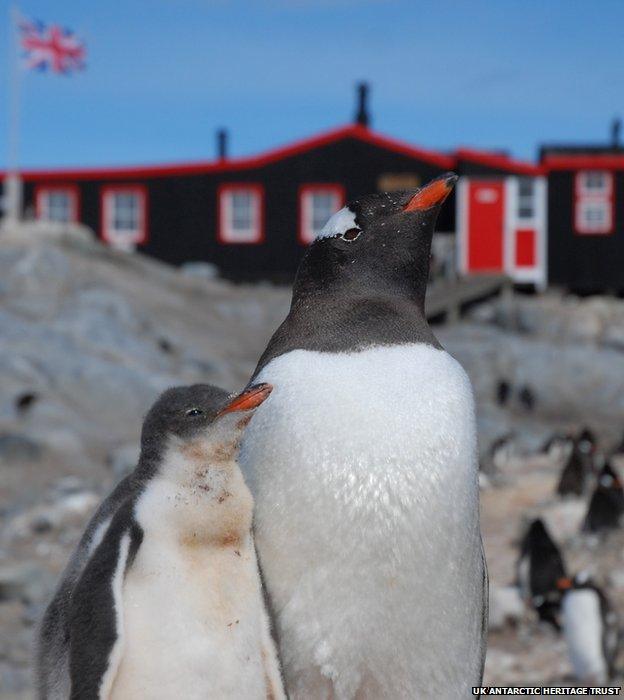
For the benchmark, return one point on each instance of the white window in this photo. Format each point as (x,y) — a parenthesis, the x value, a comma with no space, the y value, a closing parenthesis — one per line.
(594,182)
(593,210)
(593,216)
(124,216)
(316,204)
(526,198)
(241,214)
(58,204)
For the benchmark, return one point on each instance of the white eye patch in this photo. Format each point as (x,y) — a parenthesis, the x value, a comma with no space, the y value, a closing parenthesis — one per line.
(337,224)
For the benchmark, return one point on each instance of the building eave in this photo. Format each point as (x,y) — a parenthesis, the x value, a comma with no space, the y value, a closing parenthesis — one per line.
(353,131)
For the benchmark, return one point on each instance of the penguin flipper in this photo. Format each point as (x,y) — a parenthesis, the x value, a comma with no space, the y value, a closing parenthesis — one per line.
(484,612)
(96,611)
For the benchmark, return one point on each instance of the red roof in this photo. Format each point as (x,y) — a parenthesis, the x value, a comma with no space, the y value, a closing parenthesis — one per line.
(499,161)
(596,161)
(354,131)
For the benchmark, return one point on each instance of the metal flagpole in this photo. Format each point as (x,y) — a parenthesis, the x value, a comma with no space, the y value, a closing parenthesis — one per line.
(13,182)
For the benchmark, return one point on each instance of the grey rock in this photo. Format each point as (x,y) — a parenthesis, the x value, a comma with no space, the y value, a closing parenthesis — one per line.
(23,581)
(123,459)
(506,607)
(15,447)
(613,337)
(200,270)
(65,511)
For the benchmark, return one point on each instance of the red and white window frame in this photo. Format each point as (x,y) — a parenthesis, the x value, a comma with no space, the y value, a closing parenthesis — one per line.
(227,231)
(126,239)
(587,197)
(306,232)
(42,200)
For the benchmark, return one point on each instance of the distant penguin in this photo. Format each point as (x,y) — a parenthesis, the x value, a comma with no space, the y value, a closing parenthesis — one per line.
(503,392)
(539,567)
(526,397)
(575,474)
(590,627)
(162,598)
(606,506)
(364,470)
(587,442)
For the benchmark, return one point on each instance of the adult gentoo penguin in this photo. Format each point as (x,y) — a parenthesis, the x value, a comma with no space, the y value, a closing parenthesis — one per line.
(162,598)
(540,566)
(364,470)
(575,473)
(590,627)
(606,507)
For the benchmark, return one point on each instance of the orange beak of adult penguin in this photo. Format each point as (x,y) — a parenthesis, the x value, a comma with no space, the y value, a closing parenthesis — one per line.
(432,194)
(247,400)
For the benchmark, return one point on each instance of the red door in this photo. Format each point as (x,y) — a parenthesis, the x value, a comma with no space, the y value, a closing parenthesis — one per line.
(486,209)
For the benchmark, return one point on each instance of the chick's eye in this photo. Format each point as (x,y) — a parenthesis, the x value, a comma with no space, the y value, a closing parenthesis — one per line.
(194,412)
(351,234)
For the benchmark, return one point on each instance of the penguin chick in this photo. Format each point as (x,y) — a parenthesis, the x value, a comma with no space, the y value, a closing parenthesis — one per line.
(590,627)
(163,597)
(539,568)
(607,502)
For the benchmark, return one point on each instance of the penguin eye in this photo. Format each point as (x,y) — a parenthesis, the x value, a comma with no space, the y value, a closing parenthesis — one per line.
(194,412)
(351,234)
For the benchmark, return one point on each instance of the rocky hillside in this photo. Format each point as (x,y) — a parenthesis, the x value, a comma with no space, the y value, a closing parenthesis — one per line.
(90,336)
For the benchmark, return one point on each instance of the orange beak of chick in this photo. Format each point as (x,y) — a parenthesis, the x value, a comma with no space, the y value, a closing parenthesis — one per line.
(247,400)
(432,194)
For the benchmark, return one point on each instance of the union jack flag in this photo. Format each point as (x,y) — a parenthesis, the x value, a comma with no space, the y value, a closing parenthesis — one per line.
(51,47)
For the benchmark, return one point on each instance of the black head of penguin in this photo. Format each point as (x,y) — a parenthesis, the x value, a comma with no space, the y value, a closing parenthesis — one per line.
(537,536)
(378,243)
(200,411)
(608,479)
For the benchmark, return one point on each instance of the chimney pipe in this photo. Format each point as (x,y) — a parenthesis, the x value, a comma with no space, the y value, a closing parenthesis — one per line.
(616,128)
(362,116)
(222,144)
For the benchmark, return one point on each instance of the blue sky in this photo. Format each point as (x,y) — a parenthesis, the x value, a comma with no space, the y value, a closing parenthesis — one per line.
(164,74)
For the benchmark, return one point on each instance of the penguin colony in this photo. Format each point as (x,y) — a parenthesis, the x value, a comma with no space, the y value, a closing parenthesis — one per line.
(360,471)
(576,606)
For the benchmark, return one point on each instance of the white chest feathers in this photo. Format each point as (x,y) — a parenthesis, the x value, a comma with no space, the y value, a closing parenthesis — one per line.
(364,472)
(583,630)
(193,622)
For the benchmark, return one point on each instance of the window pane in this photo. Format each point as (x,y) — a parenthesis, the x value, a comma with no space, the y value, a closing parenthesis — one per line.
(595,214)
(58,207)
(125,212)
(323,205)
(595,180)
(525,187)
(242,211)
(595,217)
(526,198)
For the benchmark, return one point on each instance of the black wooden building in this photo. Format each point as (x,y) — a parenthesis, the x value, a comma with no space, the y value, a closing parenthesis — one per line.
(586,216)
(559,221)
(251,217)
